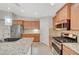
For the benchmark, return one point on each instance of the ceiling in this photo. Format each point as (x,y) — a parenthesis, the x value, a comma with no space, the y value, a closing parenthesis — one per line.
(31,9)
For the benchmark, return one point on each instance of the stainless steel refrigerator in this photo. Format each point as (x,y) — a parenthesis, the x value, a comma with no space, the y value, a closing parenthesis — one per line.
(16,31)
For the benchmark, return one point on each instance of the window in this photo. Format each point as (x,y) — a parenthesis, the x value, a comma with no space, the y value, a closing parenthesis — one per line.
(8,20)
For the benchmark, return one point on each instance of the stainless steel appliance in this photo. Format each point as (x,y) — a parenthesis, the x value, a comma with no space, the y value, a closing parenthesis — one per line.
(63,25)
(57,46)
(16,31)
(57,42)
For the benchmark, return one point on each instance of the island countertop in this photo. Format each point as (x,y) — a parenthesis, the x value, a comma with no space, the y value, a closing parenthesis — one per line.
(20,47)
(73,46)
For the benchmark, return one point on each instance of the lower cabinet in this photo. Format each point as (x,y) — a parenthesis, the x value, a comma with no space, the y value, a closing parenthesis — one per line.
(68,51)
(36,37)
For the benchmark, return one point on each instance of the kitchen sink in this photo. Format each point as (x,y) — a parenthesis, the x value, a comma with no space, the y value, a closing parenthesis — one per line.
(11,39)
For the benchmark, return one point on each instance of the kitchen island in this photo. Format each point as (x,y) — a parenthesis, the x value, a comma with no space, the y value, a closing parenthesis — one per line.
(20,47)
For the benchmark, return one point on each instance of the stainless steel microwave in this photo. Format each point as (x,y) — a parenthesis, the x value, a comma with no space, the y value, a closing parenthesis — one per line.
(64,25)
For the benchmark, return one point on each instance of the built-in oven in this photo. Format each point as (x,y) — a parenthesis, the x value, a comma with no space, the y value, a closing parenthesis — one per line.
(58,50)
(57,46)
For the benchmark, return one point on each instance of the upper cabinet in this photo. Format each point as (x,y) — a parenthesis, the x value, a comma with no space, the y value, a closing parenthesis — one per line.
(18,22)
(63,17)
(75,17)
(62,14)
(27,24)
(31,24)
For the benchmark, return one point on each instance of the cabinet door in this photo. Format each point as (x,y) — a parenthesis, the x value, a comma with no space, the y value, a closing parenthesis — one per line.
(27,24)
(68,51)
(62,14)
(18,22)
(37,38)
(75,17)
(32,24)
(37,24)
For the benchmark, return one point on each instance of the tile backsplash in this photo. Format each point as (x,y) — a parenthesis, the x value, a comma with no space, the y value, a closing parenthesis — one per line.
(55,33)
(30,31)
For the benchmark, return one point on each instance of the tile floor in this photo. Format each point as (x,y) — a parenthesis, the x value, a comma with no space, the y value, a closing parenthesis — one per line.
(40,49)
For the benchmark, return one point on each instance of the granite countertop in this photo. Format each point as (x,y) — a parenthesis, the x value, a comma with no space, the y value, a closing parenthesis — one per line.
(30,33)
(20,47)
(73,46)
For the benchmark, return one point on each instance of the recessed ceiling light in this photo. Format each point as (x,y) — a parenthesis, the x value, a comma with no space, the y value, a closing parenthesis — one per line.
(22,10)
(52,3)
(8,8)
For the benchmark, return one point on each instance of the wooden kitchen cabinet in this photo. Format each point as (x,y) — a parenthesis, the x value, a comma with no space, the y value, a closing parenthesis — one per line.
(37,24)
(64,13)
(36,37)
(69,12)
(27,24)
(68,51)
(18,22)
(63,17)
(75,16)
(32,24)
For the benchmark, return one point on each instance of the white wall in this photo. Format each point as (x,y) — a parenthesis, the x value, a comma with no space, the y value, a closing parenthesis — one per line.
(44,29)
